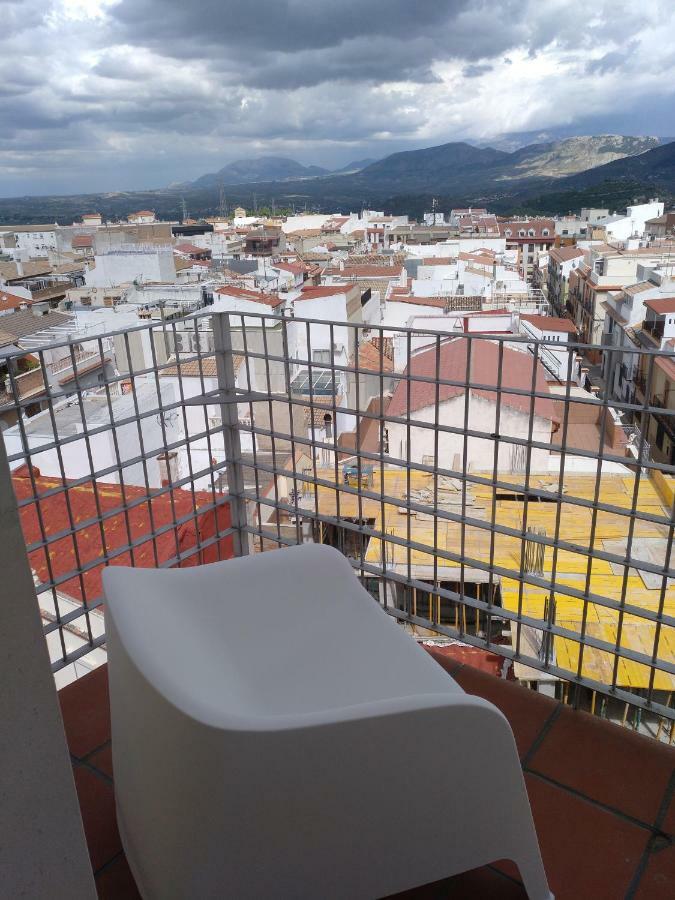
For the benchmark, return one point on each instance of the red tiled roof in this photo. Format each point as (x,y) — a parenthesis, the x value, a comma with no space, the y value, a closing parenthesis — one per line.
(190,248)
(313,292)
(369,358)
(550,323)
(661,306)
(82,500)
(536,225)
(11,301)
(438,302)
(82,241)
(666,365)
(296,268)
(565,254)
(246,294)
(516,373)
(367,271)
(480,256)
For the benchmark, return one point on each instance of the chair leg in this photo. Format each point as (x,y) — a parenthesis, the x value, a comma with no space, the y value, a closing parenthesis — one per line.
(534,878)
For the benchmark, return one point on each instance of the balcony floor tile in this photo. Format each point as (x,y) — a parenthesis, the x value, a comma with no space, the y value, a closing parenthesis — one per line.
(115,881)
(588,780)
(658,879)
(526,711)
(84,707)
(97,805)
(605,762)
(587,851)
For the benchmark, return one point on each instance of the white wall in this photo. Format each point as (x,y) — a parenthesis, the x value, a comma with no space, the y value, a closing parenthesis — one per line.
(36,243)
(121,266)
(74,453)
(513,423)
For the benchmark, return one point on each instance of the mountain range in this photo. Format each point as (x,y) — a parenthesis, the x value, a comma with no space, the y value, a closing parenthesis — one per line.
(541,178)
(448,167)
(269,168)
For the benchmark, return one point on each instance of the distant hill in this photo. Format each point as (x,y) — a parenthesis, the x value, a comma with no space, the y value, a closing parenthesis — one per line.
(356,166)
(263,168)
(434,168)
(656,166)
(576,154)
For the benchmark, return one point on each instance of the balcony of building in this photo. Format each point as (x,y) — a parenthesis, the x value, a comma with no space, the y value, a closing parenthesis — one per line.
(603,796)
(535,568)
(654,328)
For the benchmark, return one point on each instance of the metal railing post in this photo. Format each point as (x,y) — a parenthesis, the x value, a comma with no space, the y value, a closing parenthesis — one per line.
(222,336)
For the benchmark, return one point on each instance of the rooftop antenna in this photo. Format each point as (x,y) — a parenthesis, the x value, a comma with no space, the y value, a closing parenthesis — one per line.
(184,209)
(222,201)
(255,203)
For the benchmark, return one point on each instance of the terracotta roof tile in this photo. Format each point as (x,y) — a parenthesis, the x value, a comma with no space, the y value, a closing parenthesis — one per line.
(516,373)
(550,323)
(83,503)
(661,306)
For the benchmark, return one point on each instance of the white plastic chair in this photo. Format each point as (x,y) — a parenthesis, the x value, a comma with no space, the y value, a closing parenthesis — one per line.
(276,734)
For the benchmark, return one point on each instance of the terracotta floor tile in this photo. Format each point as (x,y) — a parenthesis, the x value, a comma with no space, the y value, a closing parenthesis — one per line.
(668,823)
(86,713)
(116,882)
(587,852)
(608,763)
(97,805)
(658,879)
(526,710)
(102,760)
(447,662)
(479,884)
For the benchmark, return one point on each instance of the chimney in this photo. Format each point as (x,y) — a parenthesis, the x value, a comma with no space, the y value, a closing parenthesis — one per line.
(19,268)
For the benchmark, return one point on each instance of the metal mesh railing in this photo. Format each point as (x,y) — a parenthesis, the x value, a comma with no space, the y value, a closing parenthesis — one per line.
(481,495)
(114,468)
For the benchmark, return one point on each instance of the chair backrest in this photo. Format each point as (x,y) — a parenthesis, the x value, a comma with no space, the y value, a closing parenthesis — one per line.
(281,633)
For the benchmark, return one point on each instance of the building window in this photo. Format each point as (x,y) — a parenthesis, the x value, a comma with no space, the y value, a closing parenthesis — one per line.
(321,356)
(521,233)
(545,232)
(507,233)
(328,425)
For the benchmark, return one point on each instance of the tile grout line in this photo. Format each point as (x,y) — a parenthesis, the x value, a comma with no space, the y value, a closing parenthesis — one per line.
(107,865)
(84,764)
(87,756)
(668,794)
(541,736)
(597,803)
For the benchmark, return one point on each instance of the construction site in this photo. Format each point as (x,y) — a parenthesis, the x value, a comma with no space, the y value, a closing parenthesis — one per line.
(545,552)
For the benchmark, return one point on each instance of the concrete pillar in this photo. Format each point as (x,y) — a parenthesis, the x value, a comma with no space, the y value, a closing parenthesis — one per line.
(42,846)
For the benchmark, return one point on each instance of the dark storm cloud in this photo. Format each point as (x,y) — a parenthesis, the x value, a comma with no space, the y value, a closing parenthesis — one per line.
(279,44)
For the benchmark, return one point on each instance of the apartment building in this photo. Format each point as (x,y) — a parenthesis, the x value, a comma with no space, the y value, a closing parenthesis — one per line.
(607,269)
(561,262)
(529,237)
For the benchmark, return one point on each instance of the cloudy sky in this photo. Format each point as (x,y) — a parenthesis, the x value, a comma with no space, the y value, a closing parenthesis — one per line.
(130,94)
